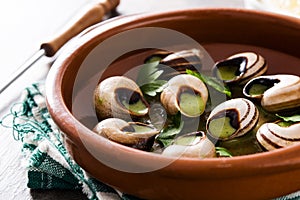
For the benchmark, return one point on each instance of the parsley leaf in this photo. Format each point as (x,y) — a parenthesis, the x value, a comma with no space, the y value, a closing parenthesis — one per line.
(294,118)
(288,121)
(148,73)
(211,81)
(223,152)
(168,134)
(153,87)
(148,78)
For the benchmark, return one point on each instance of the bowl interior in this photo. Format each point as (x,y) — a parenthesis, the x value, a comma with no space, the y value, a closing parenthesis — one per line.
(221,33)
(99,52)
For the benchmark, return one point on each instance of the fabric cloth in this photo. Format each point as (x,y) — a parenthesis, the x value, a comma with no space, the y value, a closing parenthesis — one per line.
(48,164)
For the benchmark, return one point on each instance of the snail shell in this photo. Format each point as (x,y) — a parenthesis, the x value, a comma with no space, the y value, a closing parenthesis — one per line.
(119,97)
(192,145)
(157,56)
(186,94)
(174,63)
(232,118)
(277,92)
(240,68)
(133,134)
(272,136)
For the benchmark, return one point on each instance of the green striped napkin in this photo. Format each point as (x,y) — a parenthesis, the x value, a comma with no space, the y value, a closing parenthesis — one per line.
(48,164)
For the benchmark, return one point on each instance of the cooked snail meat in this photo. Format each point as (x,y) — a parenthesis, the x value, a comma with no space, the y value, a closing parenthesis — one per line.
(241,67)
(232,118)
(186,94)
(119,97)
(277,92)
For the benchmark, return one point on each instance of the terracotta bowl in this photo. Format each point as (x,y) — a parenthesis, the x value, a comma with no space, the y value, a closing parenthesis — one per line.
(88,59)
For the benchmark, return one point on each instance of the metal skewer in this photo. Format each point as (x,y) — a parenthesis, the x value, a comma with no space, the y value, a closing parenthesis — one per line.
(89,15)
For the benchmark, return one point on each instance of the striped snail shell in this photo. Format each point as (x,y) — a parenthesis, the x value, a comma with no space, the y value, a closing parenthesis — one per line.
(277,92)
(232,118)
(119,97)
(192,145)
(186,94)
(240,68)
(134,134)
(174,63)
(273,136)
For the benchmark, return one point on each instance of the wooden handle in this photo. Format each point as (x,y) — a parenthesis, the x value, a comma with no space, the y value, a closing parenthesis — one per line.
(89,15)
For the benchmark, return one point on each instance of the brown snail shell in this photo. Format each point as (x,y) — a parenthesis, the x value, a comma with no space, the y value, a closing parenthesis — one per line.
(276,92)
(174,63)
(134,134)
(157,56)
(272,136)
(119,97)
(241,67)
(192,145)
(183,91)
(232,118)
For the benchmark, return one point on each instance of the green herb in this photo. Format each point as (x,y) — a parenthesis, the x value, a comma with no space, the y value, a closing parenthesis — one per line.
(294,118)
(285,124)
(139,107)
(153,87)
(288,121)
(223,152)
(148,78)
(211,81)
(148,73)
(168,134)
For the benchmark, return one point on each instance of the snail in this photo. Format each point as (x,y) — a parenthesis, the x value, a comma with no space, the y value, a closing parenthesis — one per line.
(186,94)
(184,97)
(134,134)
(273,136)
(276,92)
(241,67)
(157,56)
(174,63)
(192,145)
(232,118)
(119,97)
